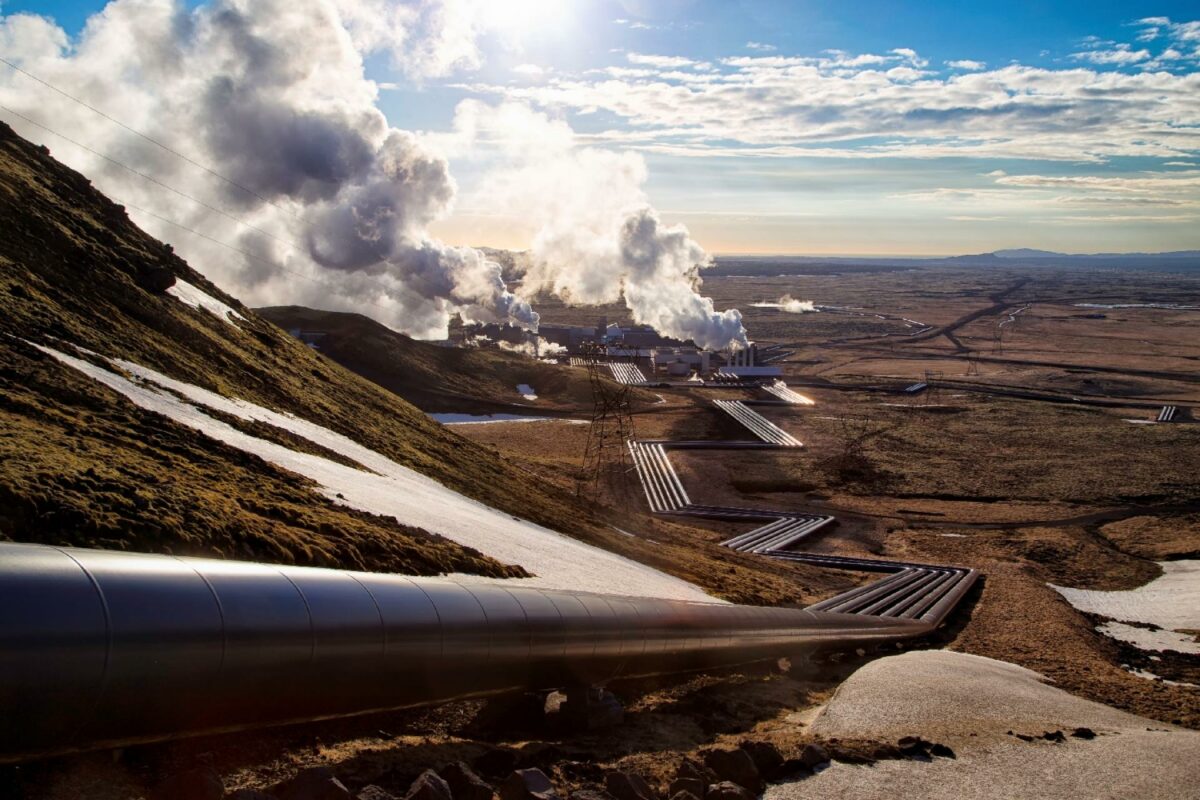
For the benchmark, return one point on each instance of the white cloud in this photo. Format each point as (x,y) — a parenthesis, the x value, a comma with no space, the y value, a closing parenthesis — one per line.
(1120,54)
(911,55)
(906,74)
(967,64)
(658,61)
(1047,198)
(762,47)
(529,69)
(869,106)
(1160,182)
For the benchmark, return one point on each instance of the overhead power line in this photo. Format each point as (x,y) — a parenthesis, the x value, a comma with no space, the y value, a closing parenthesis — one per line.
(239,250)
(150,178)
(150,139)
(185,195)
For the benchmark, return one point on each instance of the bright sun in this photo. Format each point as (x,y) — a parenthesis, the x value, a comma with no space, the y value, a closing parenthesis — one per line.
(522,17)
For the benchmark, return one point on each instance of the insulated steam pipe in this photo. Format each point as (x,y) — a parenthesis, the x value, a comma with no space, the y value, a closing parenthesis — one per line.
(101,648)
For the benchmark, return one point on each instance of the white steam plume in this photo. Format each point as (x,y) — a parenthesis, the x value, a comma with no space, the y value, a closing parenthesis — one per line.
(598,240)
(272,95)
(789,304)
(543,349)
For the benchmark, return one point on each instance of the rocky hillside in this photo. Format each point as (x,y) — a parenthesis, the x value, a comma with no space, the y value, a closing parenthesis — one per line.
(79,464)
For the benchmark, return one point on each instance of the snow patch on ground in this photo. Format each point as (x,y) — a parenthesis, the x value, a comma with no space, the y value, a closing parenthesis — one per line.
(394,490)
(1150,676)
(972,704)
(526,391)
(189,295)
(1171,601)
(483,419)
(1150,640)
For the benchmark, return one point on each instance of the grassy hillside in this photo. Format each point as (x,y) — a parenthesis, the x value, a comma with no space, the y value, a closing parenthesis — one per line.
(80,465)
(438,378)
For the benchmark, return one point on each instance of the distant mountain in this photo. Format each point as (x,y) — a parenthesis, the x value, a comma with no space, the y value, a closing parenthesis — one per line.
(1027,252)
(980,258)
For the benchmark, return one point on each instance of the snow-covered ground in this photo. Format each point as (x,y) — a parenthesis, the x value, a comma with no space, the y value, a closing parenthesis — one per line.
(526,391)
(973,705)
(187,294)
(1171,601)
(384,487)
(1147,639)
(449,418)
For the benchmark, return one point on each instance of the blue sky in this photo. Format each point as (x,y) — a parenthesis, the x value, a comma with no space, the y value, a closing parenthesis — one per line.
(832,127)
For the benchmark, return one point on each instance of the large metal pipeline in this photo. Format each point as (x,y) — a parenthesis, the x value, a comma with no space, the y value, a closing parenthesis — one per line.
(102,648)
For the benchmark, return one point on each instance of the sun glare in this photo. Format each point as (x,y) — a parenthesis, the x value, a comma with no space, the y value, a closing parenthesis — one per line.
(520,18)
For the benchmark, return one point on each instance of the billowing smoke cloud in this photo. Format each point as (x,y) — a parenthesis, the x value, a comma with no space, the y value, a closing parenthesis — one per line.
(271,94)
(790,305)
(333,205)
(597,240)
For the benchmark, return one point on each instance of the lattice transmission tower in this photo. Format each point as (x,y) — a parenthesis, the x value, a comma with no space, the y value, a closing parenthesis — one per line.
(998,340)
(933,386)
(606,454)
(973,362)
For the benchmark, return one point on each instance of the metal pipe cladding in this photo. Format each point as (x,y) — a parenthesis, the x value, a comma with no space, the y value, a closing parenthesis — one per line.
(103,648)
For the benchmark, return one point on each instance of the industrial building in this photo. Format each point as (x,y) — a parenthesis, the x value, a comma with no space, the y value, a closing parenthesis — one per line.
(657,357)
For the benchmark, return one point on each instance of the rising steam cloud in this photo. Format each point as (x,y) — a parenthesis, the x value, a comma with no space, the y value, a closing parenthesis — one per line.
(789,304)
(334,203)
(598,240)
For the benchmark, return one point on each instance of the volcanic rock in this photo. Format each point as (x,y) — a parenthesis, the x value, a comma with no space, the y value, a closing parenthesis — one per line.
(814,755)
(727,790)
(692,786)
(528,784)
(697,771)
(590,794)
(465,784)
(941,750)
(374,793)
(766,756)
(317,783)
(736,766)
(628,786)
(429,786)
